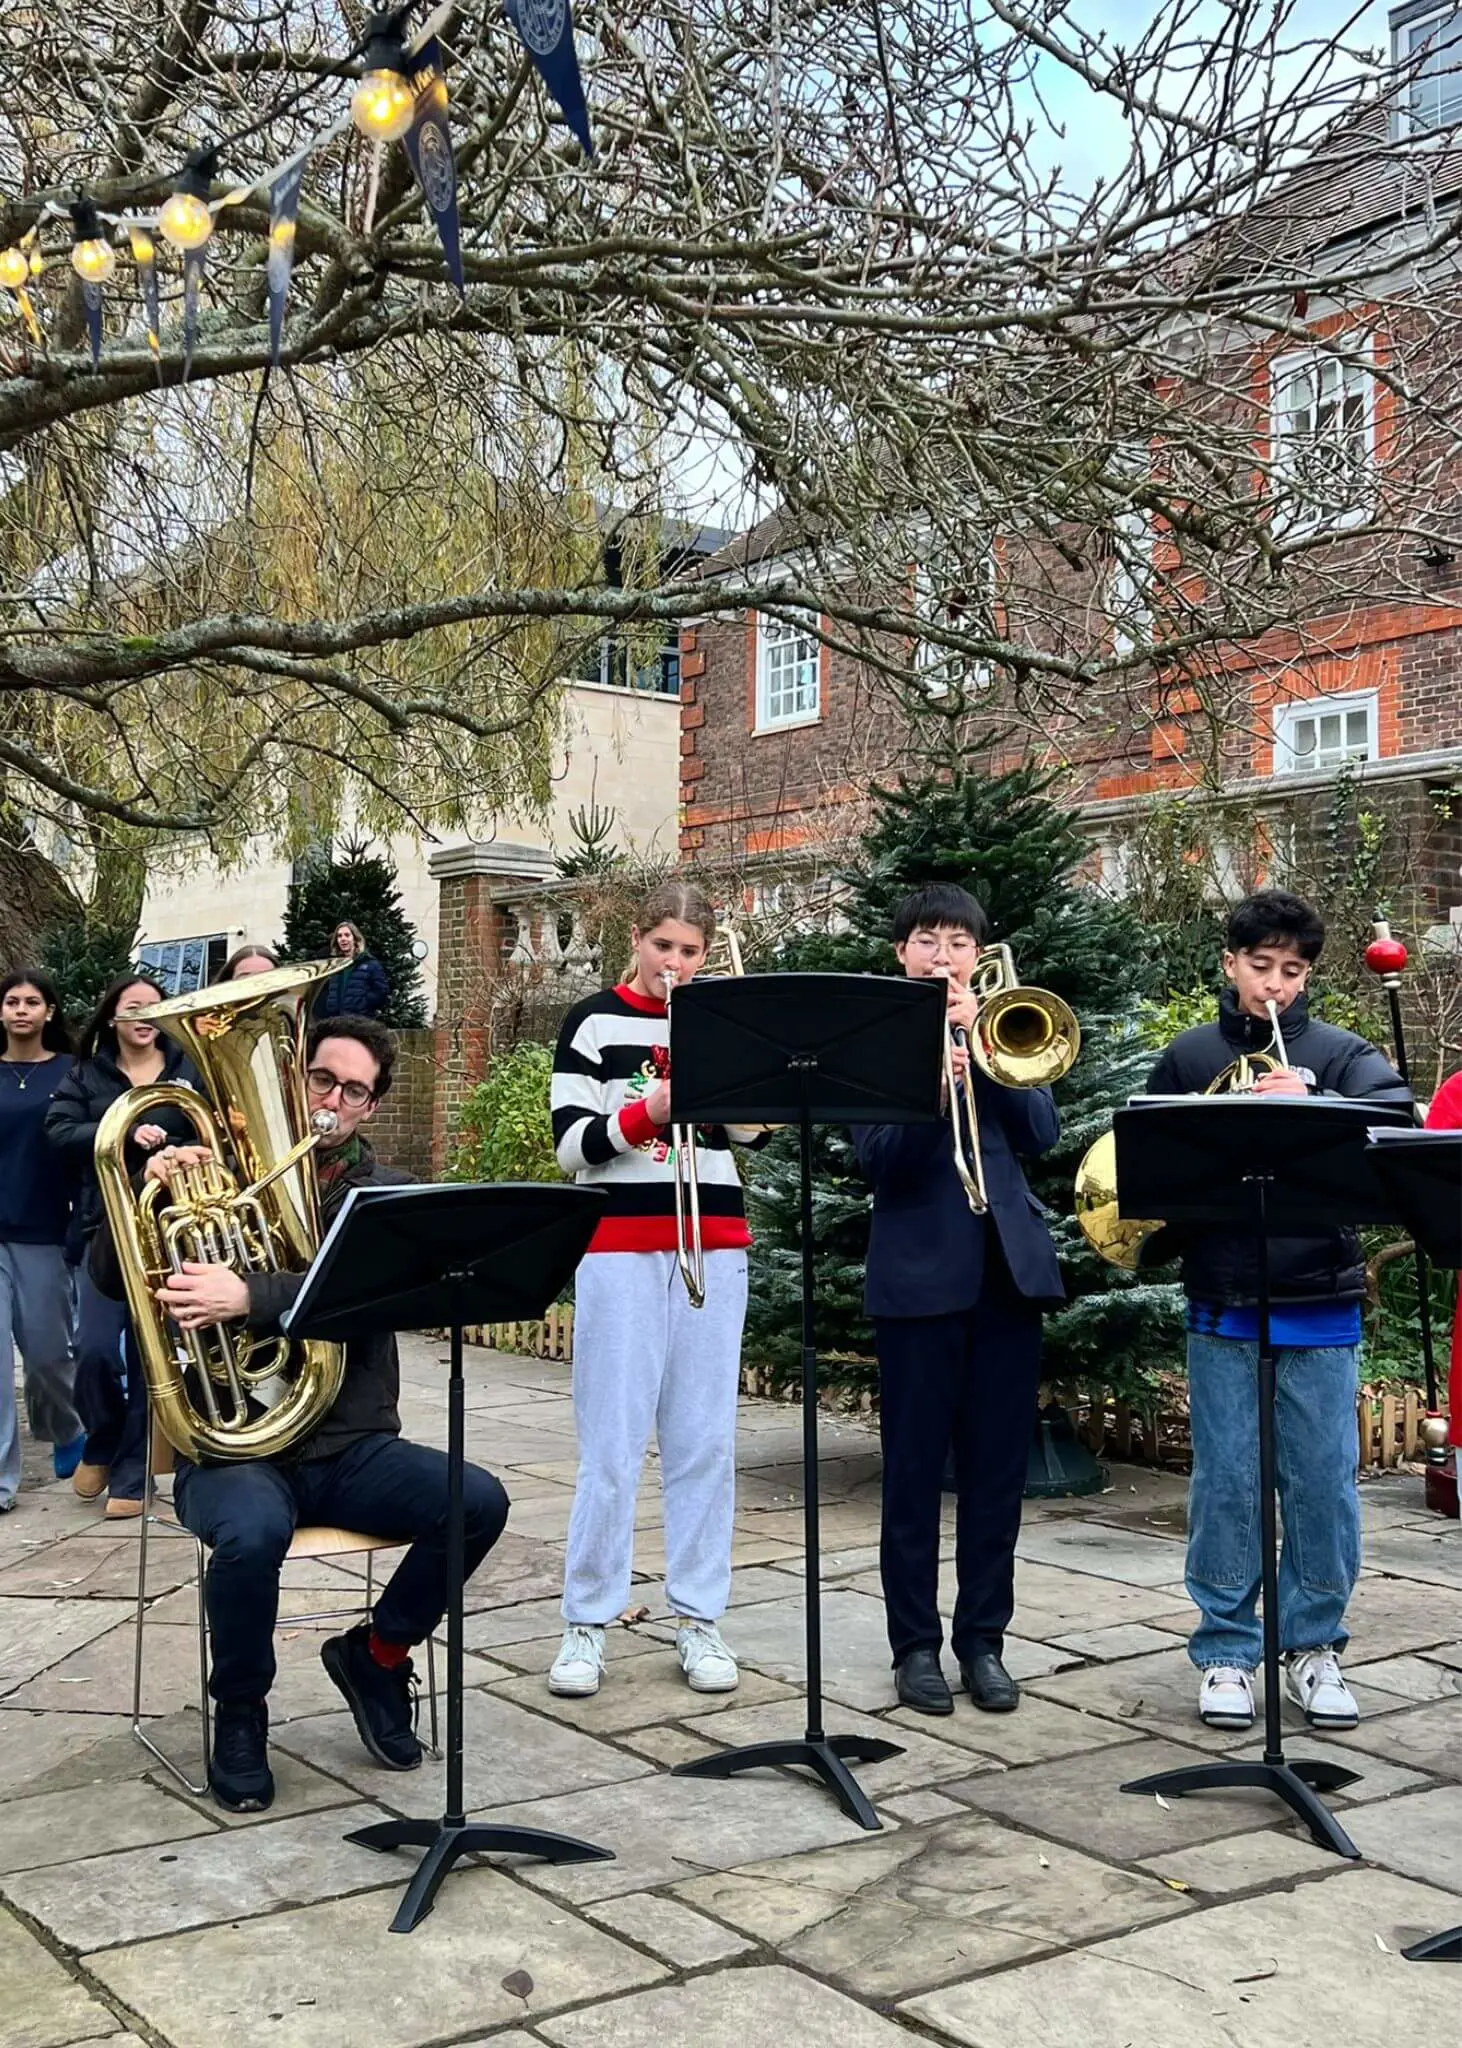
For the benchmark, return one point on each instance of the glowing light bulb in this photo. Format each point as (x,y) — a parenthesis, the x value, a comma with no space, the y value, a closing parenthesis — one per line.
(14,268)
(382,105)
(185,220)
(93,260)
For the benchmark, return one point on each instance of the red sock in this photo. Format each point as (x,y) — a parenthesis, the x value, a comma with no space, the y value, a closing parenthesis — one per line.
(387,1655)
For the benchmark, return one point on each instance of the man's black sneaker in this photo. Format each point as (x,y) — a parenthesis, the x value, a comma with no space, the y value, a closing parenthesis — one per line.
(382,1701)
(238,1770)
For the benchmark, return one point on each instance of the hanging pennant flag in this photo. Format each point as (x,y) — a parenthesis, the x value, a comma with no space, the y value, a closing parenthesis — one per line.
(194,263)
(144,255)
(91,298)
(428,143)
(547,31)
(284,206)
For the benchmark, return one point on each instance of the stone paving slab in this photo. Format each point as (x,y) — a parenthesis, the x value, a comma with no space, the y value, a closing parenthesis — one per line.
(510,1753)
(1244,1863)
(754,2007)
(39,1636)
(1449,1654)
(1432,1555)
(1103,1552)
(86,1567)
(890,1916)
(41,2005)
(106,1901)
(1388,1617)
(48,1752)
(685,1939)
(770,1636)
(63,1827)
(636,1691)
(662,1829)
(1414,1678)
(1106,1645)
(322,1975)
(1237,1974)
(1037,1732)
(1419,1836)
(1426,1738)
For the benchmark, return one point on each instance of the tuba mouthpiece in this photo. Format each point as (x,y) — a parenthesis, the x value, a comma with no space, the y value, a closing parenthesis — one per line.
(323,1122)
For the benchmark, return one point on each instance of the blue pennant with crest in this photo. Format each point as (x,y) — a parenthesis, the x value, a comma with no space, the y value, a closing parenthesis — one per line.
(91,298)
(284,206)
(194,263)
(547,31)
(428,144)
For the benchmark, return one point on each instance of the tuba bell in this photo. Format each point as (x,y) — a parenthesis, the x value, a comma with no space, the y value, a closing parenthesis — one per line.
(224,1392)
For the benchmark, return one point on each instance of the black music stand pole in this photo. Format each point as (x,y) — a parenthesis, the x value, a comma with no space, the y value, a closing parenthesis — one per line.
(416,1258)
(1423,1170)
(1275,1165)
(807,1049)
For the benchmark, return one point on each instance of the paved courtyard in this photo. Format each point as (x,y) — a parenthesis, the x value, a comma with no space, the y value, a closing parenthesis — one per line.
(1015,1896)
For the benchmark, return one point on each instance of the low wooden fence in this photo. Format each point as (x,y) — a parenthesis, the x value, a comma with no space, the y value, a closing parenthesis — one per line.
(1388,1419)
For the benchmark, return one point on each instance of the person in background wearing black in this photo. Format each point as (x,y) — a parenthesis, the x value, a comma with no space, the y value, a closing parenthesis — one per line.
(356,1472)
(956,1303)
(115,1054)
(35,1209)
(1317,1285)
(362,990)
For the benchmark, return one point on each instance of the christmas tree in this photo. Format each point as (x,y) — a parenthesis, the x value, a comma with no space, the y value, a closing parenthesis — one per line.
(359,889)
(1014,846)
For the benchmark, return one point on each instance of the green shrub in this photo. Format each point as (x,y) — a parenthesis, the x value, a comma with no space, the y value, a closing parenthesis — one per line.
(504,1131)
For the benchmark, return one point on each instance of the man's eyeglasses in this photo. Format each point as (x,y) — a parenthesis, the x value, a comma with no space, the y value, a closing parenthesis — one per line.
(321,1082)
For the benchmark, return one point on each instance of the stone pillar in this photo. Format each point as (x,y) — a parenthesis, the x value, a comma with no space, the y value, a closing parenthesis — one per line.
(477,933)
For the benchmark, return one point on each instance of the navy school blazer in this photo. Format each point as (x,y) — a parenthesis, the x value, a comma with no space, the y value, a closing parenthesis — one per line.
(926,1250)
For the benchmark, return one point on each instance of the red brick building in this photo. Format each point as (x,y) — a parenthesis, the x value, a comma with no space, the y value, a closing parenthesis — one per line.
(778,733)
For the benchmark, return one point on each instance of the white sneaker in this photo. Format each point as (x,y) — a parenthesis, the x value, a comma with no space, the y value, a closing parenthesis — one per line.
(1226,1697)
(1314,1682)
(708,1665)
(579,1665)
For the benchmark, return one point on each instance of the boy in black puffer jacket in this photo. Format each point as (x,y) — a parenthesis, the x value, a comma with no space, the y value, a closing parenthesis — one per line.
(1317,1284)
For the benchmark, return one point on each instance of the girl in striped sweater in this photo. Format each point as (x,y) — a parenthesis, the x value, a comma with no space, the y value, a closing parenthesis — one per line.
(643,1357)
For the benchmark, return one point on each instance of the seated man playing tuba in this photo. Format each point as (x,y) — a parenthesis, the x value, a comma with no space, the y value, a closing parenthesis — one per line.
(354,1470)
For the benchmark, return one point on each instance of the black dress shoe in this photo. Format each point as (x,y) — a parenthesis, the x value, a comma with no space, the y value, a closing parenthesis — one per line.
(922,1685)
(989,1684)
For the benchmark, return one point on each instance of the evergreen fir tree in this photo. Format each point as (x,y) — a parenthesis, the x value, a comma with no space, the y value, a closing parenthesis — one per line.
(1008,841)
(359,889)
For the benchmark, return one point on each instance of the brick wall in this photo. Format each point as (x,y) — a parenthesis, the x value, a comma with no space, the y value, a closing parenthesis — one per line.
(401,1129)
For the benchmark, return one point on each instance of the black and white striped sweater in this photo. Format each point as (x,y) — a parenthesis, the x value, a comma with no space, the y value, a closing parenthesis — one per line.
(612,1048)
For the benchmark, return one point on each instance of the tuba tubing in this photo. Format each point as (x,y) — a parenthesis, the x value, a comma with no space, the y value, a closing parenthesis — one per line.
(253,1100)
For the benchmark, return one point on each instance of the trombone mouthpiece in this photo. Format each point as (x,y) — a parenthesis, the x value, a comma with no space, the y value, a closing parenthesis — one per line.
(323,1122)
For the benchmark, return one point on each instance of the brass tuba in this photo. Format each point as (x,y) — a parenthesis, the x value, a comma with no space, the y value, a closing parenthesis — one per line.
(225,1392)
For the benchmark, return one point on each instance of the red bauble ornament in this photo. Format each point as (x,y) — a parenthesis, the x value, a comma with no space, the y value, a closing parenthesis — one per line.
(1386,956)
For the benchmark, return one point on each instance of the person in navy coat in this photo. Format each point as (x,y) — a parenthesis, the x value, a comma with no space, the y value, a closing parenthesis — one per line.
(956,1301)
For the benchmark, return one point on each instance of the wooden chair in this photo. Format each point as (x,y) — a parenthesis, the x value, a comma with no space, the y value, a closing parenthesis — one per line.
(310,1541)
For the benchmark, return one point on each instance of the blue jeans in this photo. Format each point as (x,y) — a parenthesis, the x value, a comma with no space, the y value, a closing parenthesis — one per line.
(1315,1455)
(111,1394)
(379,1485)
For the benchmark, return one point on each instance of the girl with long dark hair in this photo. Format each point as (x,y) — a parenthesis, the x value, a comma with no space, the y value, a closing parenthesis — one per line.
(117,1052)
(35,1210)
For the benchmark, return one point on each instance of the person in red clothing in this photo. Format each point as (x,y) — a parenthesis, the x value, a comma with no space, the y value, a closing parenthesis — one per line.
(1445,1114)
(644,1358)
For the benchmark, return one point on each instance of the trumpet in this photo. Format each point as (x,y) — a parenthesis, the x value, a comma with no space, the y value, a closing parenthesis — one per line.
(690,1252)
(1024,1038)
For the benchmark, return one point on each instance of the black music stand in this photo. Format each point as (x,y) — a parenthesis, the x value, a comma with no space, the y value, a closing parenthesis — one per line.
(1276,1165)
(1423,1170)
(807,1049)
(415,1258)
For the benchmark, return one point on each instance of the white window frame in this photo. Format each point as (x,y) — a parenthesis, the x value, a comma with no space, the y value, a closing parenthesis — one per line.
(775,635)
(1128,594)
(1294,512)
(1407,35)
(1302,710)
(939,669)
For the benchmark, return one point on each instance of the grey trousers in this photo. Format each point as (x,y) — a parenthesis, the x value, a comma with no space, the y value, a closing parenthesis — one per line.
(36,1318)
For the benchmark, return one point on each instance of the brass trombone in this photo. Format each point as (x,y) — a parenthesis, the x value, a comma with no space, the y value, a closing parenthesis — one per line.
(1023,1038)
(723,957)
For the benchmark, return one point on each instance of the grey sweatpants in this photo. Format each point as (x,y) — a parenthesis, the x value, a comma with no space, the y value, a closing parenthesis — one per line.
(35,1314)
(643,1359)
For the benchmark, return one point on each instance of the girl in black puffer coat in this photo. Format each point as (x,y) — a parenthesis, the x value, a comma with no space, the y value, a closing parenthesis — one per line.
(363,990)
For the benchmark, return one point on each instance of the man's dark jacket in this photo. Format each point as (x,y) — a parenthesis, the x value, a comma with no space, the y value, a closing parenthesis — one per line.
(1220,1267)
(926,1249)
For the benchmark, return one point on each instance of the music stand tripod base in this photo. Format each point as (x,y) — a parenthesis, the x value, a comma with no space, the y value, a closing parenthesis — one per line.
(1295,1780)
(826,1756)
(448,1840)
(1437,1948)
